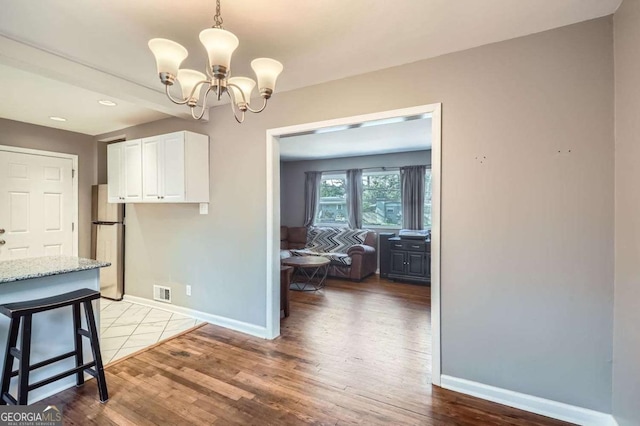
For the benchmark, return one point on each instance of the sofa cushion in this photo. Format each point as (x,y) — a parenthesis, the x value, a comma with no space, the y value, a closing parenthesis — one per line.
(341,258)
(296,237)
(334,240)
(284,236)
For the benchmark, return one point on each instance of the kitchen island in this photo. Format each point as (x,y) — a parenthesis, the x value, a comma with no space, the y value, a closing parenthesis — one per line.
(36,278)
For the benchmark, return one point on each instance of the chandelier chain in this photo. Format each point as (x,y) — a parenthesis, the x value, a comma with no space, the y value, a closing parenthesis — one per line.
(218,17)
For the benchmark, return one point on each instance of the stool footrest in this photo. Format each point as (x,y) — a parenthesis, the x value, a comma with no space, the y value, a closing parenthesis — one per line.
(83,332)
(16,353)
(46,362)
(61,375)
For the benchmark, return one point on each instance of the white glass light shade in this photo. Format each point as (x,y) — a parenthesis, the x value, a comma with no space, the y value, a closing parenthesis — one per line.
(220,45)
(246,85)
(267,70)
(169,55)
(188,80)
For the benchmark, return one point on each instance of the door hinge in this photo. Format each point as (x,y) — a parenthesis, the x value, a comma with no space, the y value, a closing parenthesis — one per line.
(73,173)
(73,226)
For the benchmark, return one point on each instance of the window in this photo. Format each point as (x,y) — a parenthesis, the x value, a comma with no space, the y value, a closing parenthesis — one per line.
(381,204)
(381,200)
(427,199)
(332,205)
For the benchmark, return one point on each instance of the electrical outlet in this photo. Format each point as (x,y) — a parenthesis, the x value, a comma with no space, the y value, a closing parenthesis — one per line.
(188,290)
(204,208)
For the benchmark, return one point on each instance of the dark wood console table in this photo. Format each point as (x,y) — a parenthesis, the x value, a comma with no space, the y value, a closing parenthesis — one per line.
(406,260)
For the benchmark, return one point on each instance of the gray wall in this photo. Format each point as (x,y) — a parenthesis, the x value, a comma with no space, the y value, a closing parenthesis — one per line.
(527,250)
(292,177)
(626,347)
(26,135)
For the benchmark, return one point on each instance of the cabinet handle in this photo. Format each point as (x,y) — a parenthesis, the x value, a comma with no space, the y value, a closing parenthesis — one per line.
(415,246)
(398,245)
(1,231)
(2,242)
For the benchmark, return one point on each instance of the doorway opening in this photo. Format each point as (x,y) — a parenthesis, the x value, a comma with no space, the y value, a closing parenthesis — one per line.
(433,112)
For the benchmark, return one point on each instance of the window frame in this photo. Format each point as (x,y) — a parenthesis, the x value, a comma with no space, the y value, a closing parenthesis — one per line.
(328,176)
(343,176)
(388,171)
(428,173)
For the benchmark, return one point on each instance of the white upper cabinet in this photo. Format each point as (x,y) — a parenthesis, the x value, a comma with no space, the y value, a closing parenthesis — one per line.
(132,188)
(173,168)
(151,151)
(124,171)
(115,170)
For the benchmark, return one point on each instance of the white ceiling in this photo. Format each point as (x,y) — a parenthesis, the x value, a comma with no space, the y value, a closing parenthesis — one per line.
(33,99)
(83,42)
(373,139)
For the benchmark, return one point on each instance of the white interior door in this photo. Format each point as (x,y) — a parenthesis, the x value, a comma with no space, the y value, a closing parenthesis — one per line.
(36,205)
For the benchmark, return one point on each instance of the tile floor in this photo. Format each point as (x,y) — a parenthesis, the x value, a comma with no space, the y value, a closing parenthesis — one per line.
(128,327)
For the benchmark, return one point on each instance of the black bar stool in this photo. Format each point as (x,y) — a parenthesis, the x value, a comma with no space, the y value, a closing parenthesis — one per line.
(24,311)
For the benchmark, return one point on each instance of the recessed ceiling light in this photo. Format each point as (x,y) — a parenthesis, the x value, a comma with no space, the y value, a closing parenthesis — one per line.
(107,102)
(54,118)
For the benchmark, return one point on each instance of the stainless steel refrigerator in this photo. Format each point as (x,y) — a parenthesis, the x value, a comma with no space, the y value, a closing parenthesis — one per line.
(107,241)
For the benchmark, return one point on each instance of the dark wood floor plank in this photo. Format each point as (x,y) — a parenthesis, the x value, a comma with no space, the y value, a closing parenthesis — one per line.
(351,354)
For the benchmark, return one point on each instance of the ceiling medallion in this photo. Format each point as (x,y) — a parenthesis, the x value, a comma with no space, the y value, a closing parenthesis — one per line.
(220,45)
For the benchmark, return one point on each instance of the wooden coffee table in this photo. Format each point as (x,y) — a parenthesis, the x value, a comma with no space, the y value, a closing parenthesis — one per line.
(308,271)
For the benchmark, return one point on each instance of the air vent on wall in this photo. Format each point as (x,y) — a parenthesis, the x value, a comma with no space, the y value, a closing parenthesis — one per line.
(162,294)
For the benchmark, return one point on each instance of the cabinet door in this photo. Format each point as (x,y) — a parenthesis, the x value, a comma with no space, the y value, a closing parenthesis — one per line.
(416,264)
(115,172)
(152,159)
(172,171)
(397,264)
(132,155)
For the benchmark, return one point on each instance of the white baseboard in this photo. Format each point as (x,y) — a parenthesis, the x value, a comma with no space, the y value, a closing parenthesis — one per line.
(533,404)
(232,324)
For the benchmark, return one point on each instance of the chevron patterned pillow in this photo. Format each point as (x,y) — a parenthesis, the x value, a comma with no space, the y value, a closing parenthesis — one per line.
(334,240)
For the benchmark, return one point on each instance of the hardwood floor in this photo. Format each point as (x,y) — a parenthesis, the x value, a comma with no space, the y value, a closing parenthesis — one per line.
(354,353)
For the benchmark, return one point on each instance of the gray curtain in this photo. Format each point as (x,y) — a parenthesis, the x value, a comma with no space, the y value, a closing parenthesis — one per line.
(311,196)
(412,192)
(354,198)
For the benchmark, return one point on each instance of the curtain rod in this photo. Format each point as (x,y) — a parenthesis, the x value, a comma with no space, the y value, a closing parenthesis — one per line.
(384,169)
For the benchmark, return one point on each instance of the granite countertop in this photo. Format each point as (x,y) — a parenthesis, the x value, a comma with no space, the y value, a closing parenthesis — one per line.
(37,267)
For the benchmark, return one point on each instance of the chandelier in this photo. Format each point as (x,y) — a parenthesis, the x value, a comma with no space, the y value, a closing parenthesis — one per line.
(220,45)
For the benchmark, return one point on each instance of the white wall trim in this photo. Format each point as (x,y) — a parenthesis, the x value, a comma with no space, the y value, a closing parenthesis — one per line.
(273,214)
(75,190)
(533,404)
(229,323)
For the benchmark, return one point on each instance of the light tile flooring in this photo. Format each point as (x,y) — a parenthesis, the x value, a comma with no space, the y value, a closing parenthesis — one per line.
(128,327)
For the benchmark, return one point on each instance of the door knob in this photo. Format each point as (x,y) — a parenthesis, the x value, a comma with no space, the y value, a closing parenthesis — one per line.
(2,242)
(1,231)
